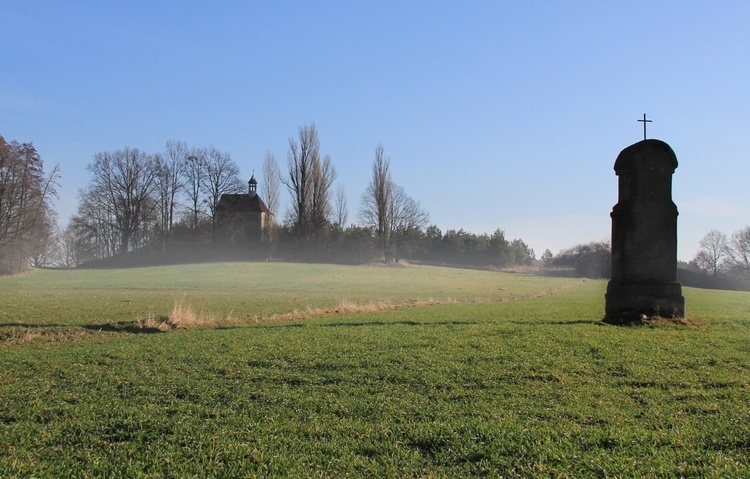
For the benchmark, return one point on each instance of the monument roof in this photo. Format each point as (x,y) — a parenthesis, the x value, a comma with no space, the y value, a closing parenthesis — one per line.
(646,152)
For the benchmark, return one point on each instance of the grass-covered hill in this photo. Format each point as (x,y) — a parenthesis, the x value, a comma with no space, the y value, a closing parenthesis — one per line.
(456,373)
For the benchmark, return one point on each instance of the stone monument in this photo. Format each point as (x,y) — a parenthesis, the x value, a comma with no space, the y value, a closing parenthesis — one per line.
(644,236)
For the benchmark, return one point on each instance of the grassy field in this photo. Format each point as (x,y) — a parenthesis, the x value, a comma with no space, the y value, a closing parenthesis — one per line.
(251,291)
(533,386)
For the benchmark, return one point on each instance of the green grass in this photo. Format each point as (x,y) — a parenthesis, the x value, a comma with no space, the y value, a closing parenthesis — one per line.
(243,290)
(536,387)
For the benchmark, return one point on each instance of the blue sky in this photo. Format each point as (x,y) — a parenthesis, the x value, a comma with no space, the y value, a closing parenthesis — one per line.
(494,114)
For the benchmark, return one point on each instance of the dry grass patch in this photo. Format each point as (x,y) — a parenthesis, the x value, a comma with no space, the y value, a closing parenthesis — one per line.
(688,320)
(344,307)
(183,316)
(349,307)
(19,335)
(26,335)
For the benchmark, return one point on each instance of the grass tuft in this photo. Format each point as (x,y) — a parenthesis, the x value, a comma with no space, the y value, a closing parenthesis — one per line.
(183,316)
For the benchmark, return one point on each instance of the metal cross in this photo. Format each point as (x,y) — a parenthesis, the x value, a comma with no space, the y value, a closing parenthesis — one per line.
(644,125)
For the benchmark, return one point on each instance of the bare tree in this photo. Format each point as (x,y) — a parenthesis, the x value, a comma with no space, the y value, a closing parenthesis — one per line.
(375,202)
(340,209)
(320,208)
(739,251)
(91,233)
(92,229)
(309,181)
(47,253)
(171,181)
(195,173)
(300,159)
(123,183)
(67,247)
(406,220)
(713,252)
(385,207)
(26,215)
(270,194)
(222,176)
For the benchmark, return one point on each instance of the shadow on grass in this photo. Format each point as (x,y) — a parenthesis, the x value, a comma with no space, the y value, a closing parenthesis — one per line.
(579,321)
(132,328)
(108,328)
(22,333)
(407,323)
(635,321)
(33,326)
(573,322)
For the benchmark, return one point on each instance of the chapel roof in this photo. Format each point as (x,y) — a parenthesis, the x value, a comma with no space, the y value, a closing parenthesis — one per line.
(241,203)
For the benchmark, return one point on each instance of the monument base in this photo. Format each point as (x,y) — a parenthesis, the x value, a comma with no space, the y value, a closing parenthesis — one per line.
(627,302)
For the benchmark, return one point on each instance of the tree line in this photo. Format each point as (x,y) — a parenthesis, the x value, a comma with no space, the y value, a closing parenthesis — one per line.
(137,201)
(162,206)
(722,262)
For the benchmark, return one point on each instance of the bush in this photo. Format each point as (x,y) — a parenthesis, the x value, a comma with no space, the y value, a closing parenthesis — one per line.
(590,260)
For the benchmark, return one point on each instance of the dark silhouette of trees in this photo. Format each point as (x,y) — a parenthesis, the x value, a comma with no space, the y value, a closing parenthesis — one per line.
(26,215)
(166,205)
(134,199)
(122,189)
(461,247)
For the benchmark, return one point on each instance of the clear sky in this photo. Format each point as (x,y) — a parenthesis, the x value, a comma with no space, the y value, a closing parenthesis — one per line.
(495,114)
